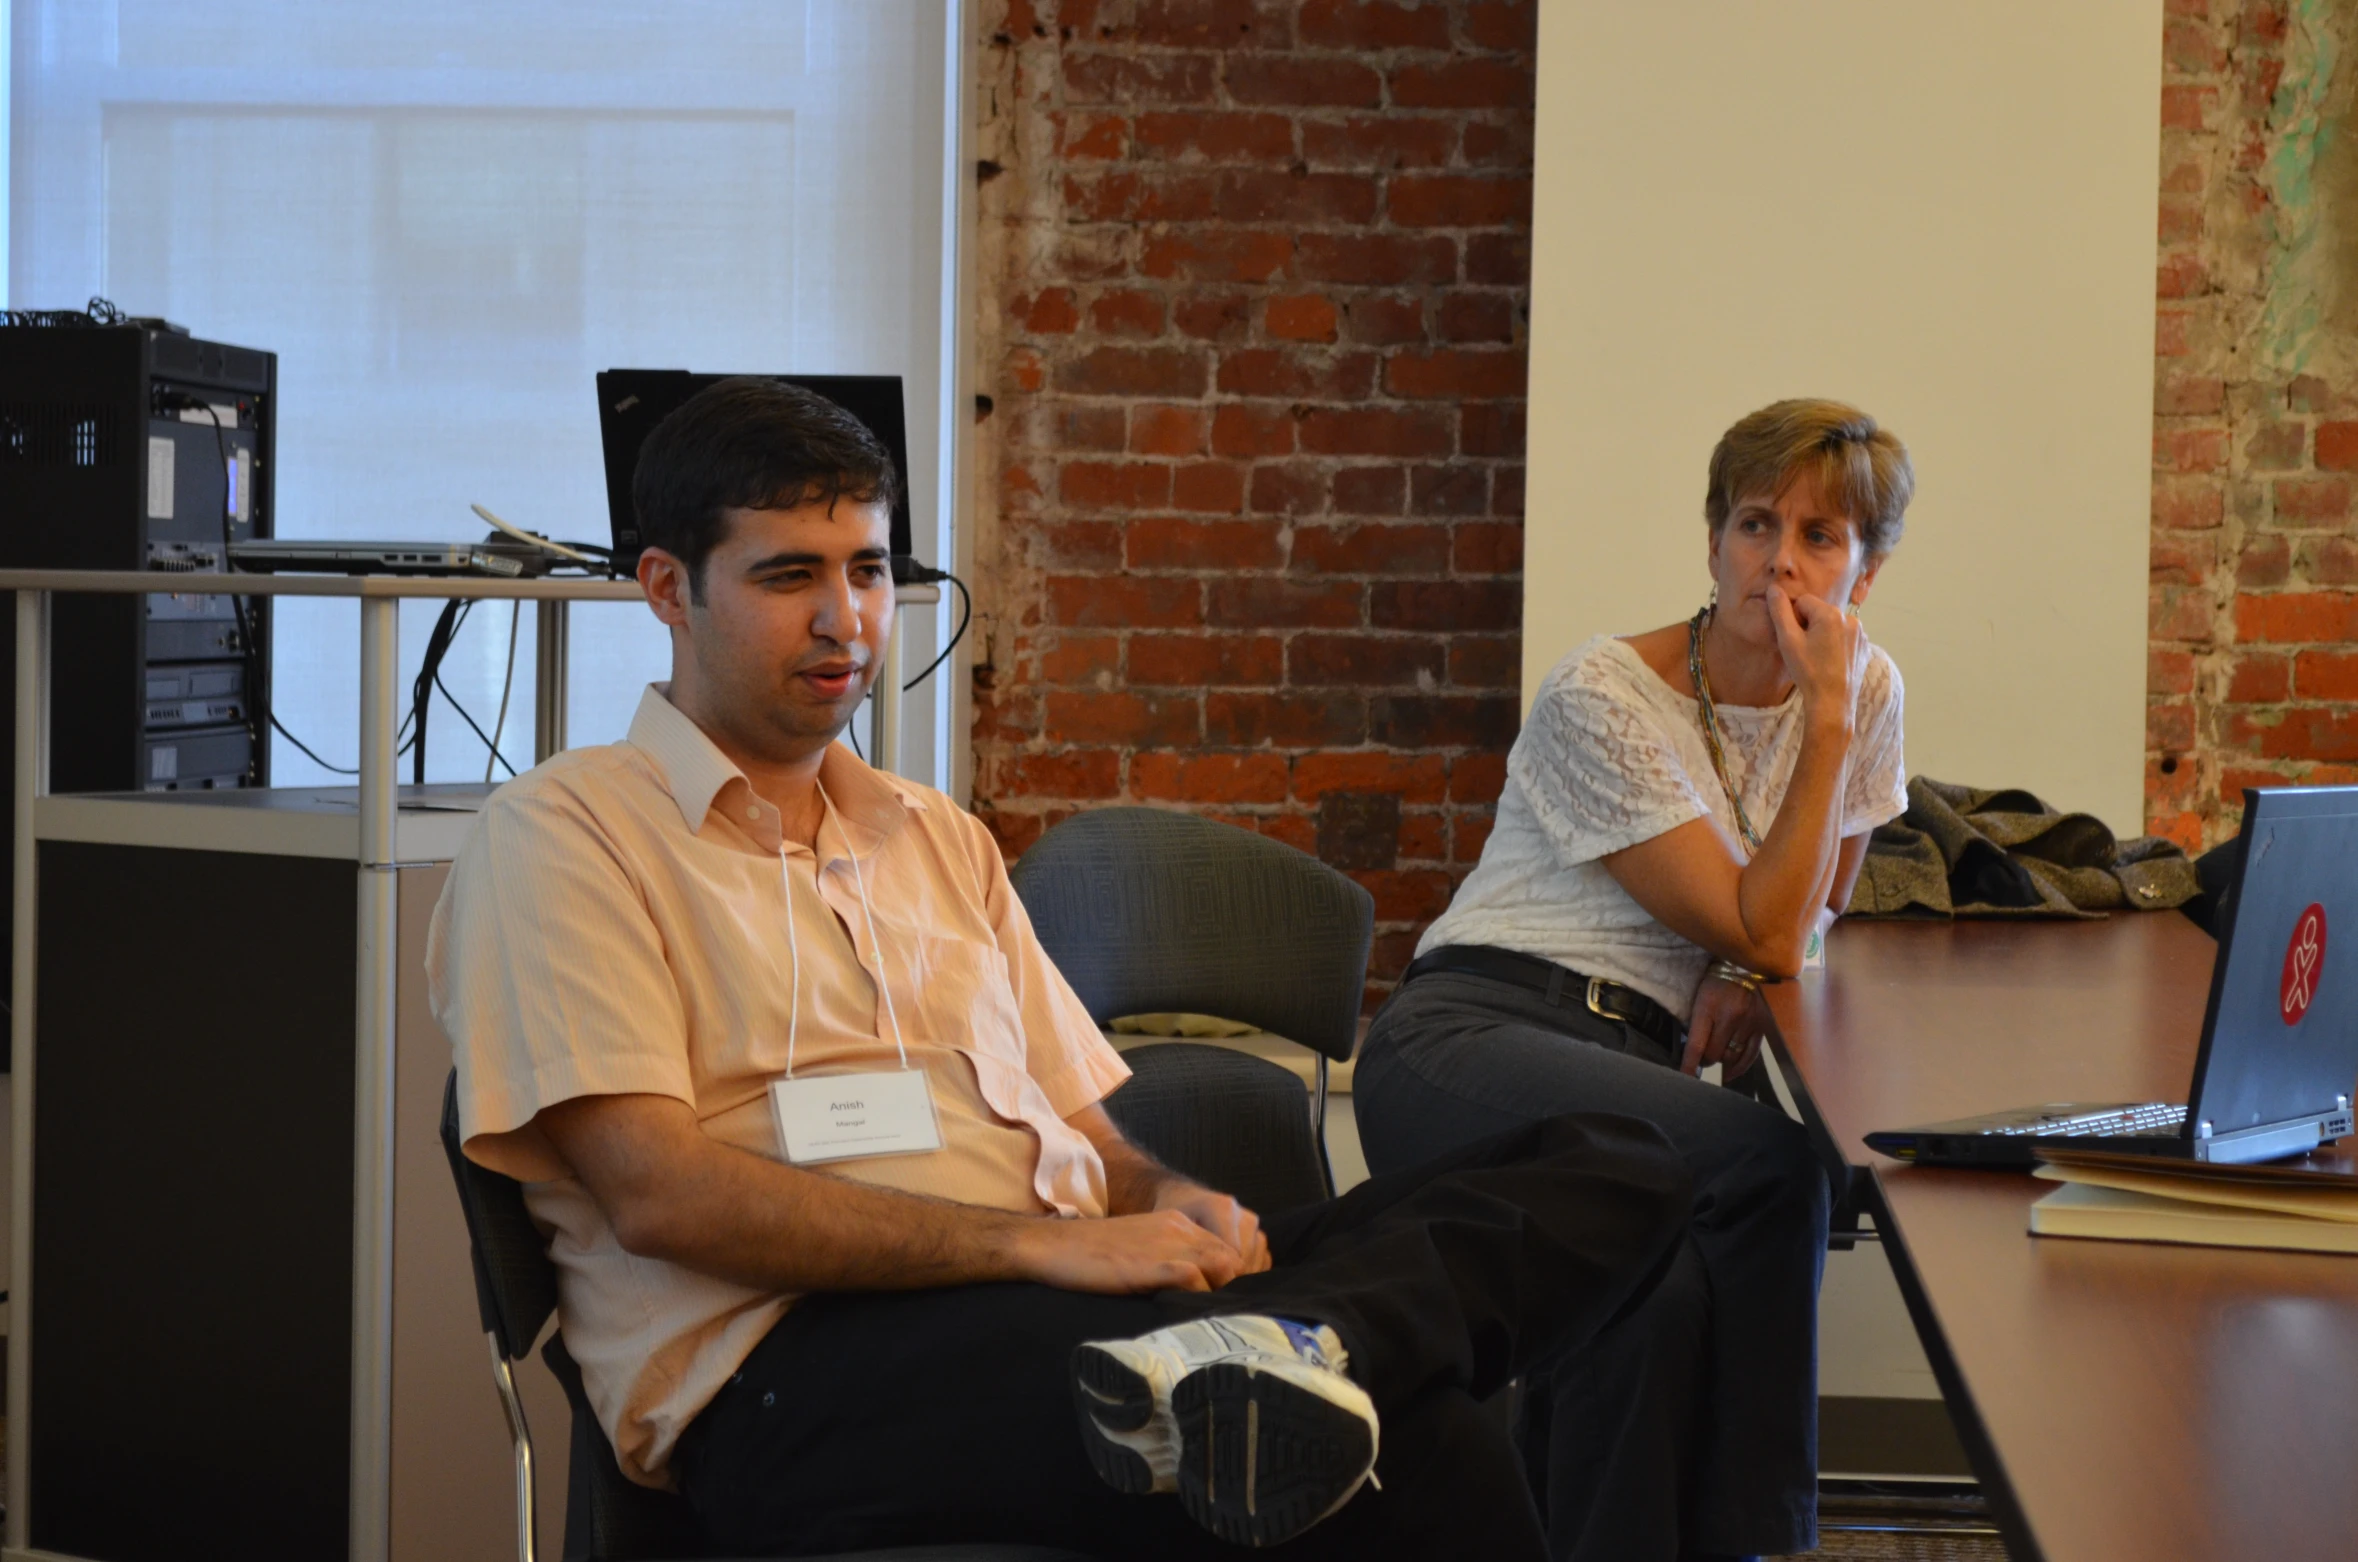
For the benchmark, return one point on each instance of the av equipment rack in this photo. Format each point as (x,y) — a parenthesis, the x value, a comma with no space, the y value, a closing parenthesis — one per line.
(135,446)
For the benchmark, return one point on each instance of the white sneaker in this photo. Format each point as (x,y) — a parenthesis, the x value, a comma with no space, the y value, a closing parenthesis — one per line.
(1248,1418)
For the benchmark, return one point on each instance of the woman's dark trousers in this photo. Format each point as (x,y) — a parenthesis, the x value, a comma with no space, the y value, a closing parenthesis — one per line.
(1698,1412)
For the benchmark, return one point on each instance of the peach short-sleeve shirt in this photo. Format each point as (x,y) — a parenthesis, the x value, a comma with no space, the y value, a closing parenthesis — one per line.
(616,924)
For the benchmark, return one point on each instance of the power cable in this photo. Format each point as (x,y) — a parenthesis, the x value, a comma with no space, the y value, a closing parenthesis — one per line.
(586,553)
(279,727)
(965,617)
(421,691)
(499,728)
(472,723)
(429,680)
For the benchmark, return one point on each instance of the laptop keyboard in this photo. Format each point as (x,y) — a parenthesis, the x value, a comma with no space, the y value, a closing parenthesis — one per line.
(2155,1117)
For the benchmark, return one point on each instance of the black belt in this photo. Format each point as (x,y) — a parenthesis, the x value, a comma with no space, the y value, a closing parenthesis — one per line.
(1559,985)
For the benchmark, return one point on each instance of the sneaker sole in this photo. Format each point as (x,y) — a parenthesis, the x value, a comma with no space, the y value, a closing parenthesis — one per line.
(1263,1459)
(1109,1396)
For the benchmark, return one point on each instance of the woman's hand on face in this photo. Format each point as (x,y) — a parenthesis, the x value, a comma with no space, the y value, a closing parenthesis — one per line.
(1727,1026)
(1825,651)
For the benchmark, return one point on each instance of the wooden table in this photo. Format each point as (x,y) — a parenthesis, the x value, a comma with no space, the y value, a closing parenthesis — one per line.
(2118,1400)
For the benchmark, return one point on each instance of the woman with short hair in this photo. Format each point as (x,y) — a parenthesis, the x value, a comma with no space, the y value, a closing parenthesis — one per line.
(1682,808)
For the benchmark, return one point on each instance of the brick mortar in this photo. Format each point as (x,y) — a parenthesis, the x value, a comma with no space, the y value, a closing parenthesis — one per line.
(2254,595)
(1250,476)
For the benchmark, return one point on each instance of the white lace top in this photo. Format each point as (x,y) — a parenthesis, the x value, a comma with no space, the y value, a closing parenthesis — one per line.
(1610,756)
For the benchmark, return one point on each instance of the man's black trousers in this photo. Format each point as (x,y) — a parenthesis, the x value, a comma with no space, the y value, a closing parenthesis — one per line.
(880,1419)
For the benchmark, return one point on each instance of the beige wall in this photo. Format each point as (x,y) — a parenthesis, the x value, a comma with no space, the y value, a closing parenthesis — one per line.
(1942,212)
(454,1486)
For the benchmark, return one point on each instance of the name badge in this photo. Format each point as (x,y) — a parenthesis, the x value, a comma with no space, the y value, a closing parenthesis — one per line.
(838,1117)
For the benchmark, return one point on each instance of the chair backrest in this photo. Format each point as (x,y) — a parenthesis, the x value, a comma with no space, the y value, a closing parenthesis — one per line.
(515,1284)
(1151,912)
(1229,1121)
(608,1517)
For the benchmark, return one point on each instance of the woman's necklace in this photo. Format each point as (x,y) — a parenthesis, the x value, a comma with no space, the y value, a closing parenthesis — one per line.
(1711,739)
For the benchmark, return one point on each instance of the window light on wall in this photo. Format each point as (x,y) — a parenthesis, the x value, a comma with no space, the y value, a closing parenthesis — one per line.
(445,218)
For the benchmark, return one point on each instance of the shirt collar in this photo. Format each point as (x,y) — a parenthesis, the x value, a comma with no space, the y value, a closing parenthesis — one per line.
(869,803)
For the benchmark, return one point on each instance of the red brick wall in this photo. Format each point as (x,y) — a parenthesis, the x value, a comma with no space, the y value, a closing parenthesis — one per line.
(1254,287)
(2254,655)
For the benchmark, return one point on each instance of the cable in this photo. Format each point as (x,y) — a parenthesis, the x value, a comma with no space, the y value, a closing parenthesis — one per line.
(446,632)
(473,723)
(921,575)
(279,727)
(98,312)
(421,692)
(580,552)
(499,728)
(965,617)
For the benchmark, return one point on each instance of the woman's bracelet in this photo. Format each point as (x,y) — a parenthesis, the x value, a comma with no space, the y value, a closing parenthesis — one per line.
(1729,971)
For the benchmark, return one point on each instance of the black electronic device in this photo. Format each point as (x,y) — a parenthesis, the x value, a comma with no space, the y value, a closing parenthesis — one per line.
(2279,1036)
(131,445)
(632,401)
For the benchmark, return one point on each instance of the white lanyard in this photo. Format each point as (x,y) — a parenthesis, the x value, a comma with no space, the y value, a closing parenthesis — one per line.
(794,944)
(833,1117)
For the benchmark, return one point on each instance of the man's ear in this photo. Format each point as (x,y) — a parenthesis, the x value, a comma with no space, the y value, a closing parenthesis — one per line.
(663,577)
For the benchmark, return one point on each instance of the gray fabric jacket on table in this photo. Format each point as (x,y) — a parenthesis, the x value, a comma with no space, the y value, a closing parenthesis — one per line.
(1969,852)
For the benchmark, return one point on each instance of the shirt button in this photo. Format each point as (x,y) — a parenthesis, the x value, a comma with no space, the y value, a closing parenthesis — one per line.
(753,810)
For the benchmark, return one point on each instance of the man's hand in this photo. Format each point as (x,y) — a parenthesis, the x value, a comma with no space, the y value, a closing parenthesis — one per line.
(1727,1026)
(1222,1216)
(1125,1254)
(1136,1184)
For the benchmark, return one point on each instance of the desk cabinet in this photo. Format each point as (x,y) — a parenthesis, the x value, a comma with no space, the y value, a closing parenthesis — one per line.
(191,1334)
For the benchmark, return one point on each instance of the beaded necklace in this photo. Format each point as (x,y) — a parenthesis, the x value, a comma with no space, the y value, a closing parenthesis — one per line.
(1711,739)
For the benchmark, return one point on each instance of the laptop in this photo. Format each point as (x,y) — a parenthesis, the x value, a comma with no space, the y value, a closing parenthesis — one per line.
(498,556)
(632,401)
(2279,1036)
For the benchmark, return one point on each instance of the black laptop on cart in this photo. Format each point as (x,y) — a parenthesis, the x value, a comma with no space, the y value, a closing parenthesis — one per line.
(2279,1037)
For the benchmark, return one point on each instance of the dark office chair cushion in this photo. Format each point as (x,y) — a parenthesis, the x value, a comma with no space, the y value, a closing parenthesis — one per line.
(515,1284)
(1149,912)
(1232,1122)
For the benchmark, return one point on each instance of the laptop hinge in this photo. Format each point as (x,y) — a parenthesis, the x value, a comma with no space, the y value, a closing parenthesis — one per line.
(2269,1141)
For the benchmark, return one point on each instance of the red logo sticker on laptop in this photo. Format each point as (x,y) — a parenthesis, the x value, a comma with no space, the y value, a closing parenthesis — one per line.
(2304,964)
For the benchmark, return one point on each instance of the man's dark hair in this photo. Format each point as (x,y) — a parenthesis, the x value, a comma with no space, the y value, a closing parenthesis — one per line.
(750,444)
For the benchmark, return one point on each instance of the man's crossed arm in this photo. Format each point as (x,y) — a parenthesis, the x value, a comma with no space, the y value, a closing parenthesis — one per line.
(673,1193)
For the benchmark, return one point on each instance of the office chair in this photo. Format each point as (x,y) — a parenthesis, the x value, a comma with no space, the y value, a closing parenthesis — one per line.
(608,1518)
(1151,912)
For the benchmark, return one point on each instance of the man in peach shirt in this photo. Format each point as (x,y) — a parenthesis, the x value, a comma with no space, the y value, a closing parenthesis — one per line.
(849,1251)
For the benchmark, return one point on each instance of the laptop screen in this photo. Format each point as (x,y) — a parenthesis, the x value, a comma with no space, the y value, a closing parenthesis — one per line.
(2281,1039)
(632,401)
